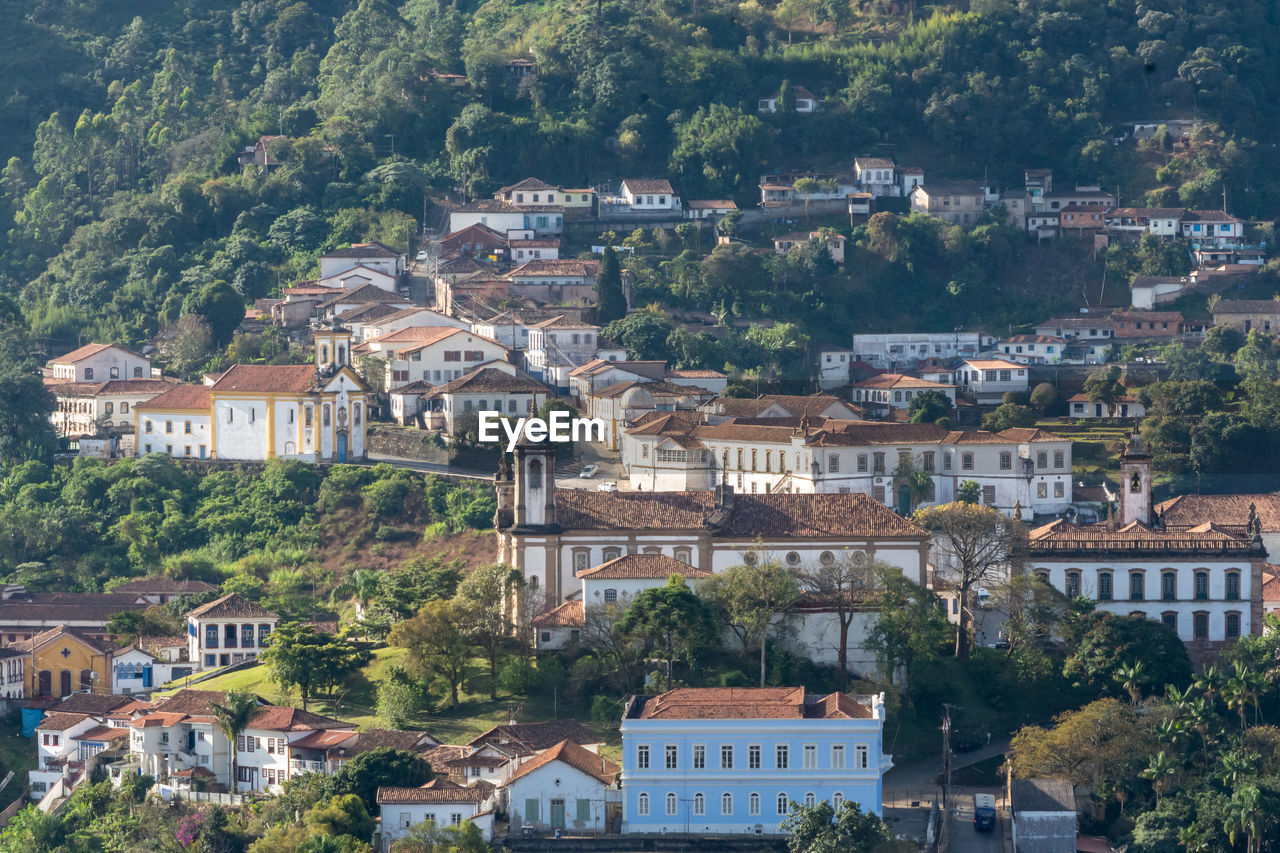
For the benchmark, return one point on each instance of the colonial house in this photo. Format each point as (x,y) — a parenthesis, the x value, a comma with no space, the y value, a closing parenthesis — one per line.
(67,742)
(834,243)
(602,372)
(1033,349)
(99,363)
(227,630)
(649,194)
(618,581)
(1203,582)
(557,346)
(876,175)
(896,391)
(1086,327)
(1245,315)
(543,219)
(958,202)
(804,100)
(499,388)
(566,787)
(511,327)
(709,208)
(13,680)
(435,354)
(549,537)
(1081,196)
(1126,406)
(444,805)
(1148,324)
(1080,220)
(25,615)
(1028,469)
(149,663)
(256,412)
(777,406)
(1136,221)
(160,588)
(896,351)
(358,277)
(523,251)
(989,379)
(623,403)
(1215,228)
(373,255)
(388,321)
(473,240)
(556,282)
(343,301)
(91,408)
(264,758)
(729,761)
(530,191)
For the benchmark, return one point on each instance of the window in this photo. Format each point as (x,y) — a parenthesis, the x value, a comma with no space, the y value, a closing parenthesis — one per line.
(782,756)
(833,464)
(837,800)
(753,461)
(1042,459)
(810,800)
(1073,584)
(1202,586)
(611,554)
(966,461)
(699,804)
(1233,586)
(1170,621)
(1042,490)
(928,461)
(168,427)
(810,757)
(684,555)
(862,463)
(672,756)
(1137,586)
(1200,625)
(860,757)
(726,756)
(1059,490)
(837,756)
(671,804)
(1104,586)
(1168,586)
(1059,459)
(946,462)
(726,804)
(610,596)
(1006,461)
(782,803)
(877,462)
(642,805)
(642,756)
(146,426)
(753,757)
(699,757)
(753,804)
(88,373)
(325,416)
(1233,625)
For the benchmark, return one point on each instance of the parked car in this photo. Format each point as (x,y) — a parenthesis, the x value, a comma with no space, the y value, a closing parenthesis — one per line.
(589,472)
(609,486)
(422,256)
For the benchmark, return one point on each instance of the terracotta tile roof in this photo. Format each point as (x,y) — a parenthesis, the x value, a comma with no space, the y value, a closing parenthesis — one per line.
(439,756)
(416,742)
(617,389)
(1060,536)
(567,615)
(101,733)
(793,404)
(418,386)
(751,516)
(696,374)
(94,703)
(577,757)
(561,321)
(491,380)
(556,267)
(1034,339)
(536,736)
(1084,398)
(1247,306)
(60,721)
(993,364)
(1208,216)
(369,313)
(232,605)
(62,632)
(89,350)
(1271,584)
(322,739)
(57,612)
(1229,512)
(647,186)
(161,585)
(528,184)
(1027,434)
(746,703)
(365,294)
(534,244)
(873,162)
(419,335)
(429,796)
(188,701)
(278,718)
(642,566)
(113,387)
(363,250)
(266,378)
(713,204)
(898,380)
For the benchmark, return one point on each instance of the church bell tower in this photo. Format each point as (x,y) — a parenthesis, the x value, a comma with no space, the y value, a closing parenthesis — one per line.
(535,484)
(1135,482)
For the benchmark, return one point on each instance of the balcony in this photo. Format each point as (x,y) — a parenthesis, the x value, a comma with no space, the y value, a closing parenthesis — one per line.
(298,765)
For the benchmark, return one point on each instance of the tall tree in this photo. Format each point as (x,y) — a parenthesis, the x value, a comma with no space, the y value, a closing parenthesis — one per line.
(753,598)
(845,586)
(438,643)
(671,618)
(486,597)
(611,301)
(975,544)
(1104,386)
(911,625)
(232,715)
(303,656)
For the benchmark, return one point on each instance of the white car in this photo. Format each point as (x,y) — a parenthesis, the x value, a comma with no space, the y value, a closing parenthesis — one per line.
(422,256)
(610,486)
(589,472)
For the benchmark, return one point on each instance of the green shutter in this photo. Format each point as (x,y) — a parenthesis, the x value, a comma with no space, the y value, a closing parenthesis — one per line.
(531,811)
(584,810)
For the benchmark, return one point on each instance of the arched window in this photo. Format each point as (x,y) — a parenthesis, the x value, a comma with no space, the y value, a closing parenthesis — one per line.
(753,460)
(356,410)
(342,353)
(325,417)
(810,800)
(699,804)
(1104,586)
(1135,482)
(1233,586)
(1137,586)
(324,353)
(611,554)
(1202,586)
(726,804)
(535,473)
(739,458)
(671,803)
(1168,586)
(966,461)
(753,804)
(533,581)
(768,461)
(837,800)
(642,805)
(782,803)
(1073,584)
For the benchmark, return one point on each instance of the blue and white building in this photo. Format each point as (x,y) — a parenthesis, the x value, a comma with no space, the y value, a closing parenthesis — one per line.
(735,760)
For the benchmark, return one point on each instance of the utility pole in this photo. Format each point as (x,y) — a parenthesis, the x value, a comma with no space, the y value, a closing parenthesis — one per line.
(944,836)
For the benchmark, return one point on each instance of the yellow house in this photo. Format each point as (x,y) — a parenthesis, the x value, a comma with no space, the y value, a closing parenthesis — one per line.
(62,661)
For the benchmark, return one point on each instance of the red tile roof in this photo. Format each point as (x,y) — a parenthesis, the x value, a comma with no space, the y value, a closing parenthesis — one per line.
(266,378)
(1229,512)
(88,350)
(746,703)
(60,721)
(429,796)
(567,615)
(276,718)
(642,567)
(232,606)
(577,757)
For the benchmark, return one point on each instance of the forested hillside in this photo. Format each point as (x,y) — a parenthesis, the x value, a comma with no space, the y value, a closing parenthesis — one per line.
(123,207)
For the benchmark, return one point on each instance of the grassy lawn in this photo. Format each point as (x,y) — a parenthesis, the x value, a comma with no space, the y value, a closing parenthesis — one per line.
(356,702)
(17,753)
(1095,452)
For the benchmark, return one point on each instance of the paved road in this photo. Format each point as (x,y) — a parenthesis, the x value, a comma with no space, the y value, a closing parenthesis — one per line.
(923,772)
(432,467)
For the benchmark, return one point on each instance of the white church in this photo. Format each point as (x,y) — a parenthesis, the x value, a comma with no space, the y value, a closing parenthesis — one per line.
(554,537)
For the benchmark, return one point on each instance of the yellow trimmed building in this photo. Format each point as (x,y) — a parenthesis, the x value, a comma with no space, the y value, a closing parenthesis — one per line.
(62,661)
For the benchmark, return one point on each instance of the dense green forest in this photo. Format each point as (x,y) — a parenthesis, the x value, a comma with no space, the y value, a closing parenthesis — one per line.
(123,207)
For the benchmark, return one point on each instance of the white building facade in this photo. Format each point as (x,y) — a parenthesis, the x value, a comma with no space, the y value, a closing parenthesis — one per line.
(900,351)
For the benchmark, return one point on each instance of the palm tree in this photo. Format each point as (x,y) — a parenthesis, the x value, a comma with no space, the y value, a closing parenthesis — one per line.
(1159,771)
(361,585)
(1210,682)
(1131,678)
(1202,716)
(1236,768)
(1243,815)
(1249,684)
(233,716)
(1193,840)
